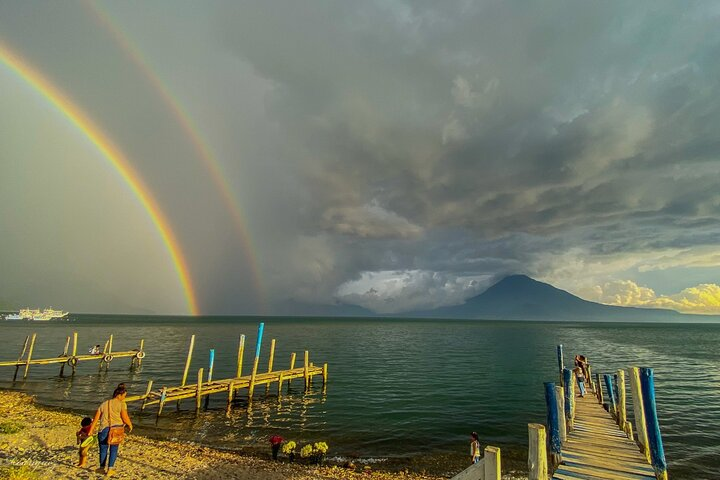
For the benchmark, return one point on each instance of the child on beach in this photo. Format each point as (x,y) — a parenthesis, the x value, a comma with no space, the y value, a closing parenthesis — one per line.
(474,448)
(84,440)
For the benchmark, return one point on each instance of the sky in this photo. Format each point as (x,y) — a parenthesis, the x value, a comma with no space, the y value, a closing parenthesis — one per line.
(394,155)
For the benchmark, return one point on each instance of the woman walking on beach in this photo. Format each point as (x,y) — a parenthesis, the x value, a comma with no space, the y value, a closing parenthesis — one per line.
(113,418)
(474,447)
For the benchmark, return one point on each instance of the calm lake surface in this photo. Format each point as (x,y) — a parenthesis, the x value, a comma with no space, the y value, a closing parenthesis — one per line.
(407,392)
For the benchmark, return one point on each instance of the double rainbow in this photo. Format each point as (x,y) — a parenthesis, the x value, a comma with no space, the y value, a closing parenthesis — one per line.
(116,158)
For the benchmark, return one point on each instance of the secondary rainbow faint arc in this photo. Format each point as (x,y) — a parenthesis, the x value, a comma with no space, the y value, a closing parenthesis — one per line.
(73,113)
(202,150)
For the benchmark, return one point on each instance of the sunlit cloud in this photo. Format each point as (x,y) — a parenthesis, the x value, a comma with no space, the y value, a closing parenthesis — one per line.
(700,299)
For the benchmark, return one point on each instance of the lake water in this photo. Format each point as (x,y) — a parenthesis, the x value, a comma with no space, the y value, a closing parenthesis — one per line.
(401,392)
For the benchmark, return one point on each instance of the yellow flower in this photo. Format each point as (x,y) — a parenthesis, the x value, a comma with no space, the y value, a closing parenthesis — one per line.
(306,451)
(289,447)
(320,447)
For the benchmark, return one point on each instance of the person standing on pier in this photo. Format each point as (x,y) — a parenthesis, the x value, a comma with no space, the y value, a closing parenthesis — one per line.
(474,447)
(113,418)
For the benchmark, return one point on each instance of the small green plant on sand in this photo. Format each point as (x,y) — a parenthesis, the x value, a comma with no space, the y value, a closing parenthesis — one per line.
(22,472)
(10,427)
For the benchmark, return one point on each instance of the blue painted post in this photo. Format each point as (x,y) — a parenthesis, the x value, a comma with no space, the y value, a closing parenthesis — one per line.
(611,394)
(553,423)
(561,363)
(210,372)
(212,363)
(261,328)
(251,387)
(567,380)
(657,452)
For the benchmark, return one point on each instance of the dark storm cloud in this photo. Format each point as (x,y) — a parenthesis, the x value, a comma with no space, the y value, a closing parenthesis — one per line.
(577,124)
(423,144)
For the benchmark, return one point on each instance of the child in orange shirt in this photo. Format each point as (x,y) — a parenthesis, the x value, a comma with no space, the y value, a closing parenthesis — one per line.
(83,436)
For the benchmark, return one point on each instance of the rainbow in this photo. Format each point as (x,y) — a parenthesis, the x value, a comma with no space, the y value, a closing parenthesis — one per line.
(116,158)
(191,132)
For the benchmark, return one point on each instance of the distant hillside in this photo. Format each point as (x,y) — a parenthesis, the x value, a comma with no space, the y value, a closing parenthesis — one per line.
(519,297)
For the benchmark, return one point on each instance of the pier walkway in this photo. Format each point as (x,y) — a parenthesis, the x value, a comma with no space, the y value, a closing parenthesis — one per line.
(596,449)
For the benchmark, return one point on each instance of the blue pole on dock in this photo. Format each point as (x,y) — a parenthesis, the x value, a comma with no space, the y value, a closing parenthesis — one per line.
(567,378)
(611,393)
(561,363)
(657,452)
(553,421)
(212,363)
(261,328)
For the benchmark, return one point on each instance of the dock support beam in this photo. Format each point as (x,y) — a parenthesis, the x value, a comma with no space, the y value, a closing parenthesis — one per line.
(198,392)
(537,452)
(187,366)
(562,425)
(492,463)
(147,394)
(657,452)
(29,357)
(22,354)
(639,411)
(251,387)
(561,363)
(306,372)
(569,398)
(270,363)
(599,388)
(611,396)
(622,412)
(241,351)
(553,424)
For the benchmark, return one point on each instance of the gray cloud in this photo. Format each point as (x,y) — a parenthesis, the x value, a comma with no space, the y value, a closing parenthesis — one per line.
(462,140)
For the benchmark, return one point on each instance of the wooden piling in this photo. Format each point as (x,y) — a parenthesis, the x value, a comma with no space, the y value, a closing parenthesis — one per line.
(22,354)
(492,463)
(231,391)
(292,360)
(611,395)
(562,425)
(188,360)
(74,355)
(569,396)
(241,351)
(270,363)
(29,357)
(136,360)
(147,394)
(210,373)
(657,452)
(561,364)
(67,346)
(589,378)
(306,373)
(198,392)
(325,376)
(622,412)
(280,382)
(628,430)
(251,387)
(537,452)
(599,388)
(553,424)
(639,411)
(110,342)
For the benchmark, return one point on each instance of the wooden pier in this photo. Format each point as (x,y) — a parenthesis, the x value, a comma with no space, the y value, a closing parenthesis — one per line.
(207,386)
(590,437)
(71,358)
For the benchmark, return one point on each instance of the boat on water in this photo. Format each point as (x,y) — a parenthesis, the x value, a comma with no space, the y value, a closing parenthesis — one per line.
(37,315)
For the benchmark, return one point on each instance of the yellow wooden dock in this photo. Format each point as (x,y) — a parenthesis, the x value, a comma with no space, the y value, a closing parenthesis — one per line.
(596,449)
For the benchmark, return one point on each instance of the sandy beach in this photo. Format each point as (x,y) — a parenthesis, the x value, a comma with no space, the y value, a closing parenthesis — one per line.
(44,447)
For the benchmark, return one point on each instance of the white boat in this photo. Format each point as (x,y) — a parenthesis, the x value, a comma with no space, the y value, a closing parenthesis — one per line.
(13,316)
(40,316)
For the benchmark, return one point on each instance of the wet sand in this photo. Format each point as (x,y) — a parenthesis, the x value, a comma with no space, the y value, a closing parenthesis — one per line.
(46,447)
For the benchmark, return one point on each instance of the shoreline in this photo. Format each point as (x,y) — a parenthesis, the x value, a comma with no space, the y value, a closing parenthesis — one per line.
(45,447)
